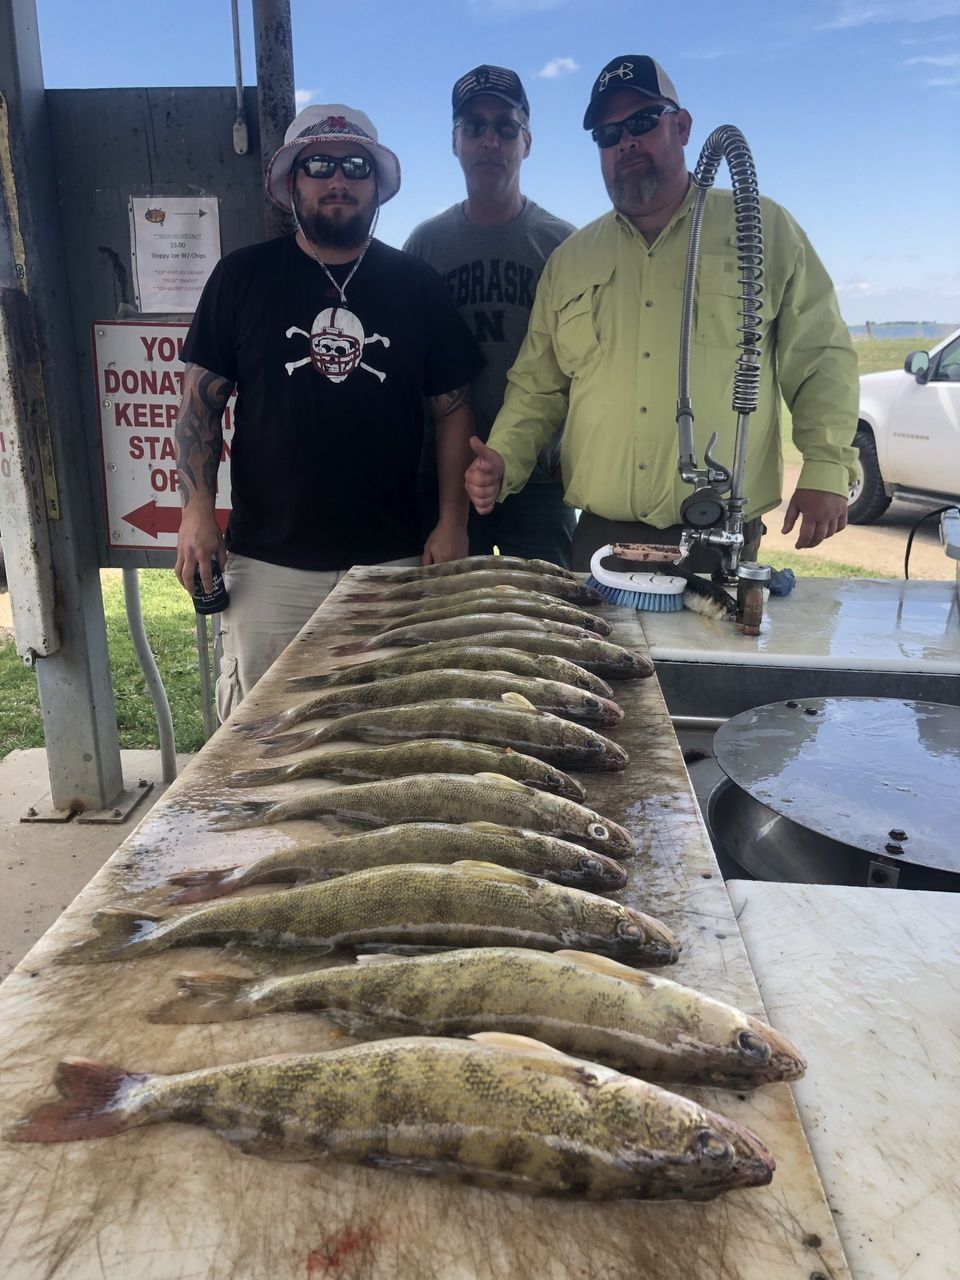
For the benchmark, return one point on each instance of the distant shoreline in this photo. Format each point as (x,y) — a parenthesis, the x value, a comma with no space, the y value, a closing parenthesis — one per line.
(902,329)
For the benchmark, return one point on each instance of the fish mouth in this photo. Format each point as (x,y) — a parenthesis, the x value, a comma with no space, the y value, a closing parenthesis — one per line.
(610,712)
(784,1060)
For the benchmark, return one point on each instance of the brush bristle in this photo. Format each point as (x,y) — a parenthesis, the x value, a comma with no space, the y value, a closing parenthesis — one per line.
(643,601)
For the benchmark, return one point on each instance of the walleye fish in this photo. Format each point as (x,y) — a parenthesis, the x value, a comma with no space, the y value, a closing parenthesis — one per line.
(423,755)
(532,604)
(530,852)
(442,797)
(611,661)
(469,564)
(472,624)
(480,580)
(586,1005)
(468,904)
(425,686)
(464,656)
(511,722)
(496,1110)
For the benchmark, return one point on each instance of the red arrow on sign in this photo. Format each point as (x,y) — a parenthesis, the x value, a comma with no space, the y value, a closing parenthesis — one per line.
(153,519)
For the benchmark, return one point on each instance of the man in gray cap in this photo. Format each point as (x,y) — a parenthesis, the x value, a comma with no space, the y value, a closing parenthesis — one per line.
(491,249)
(602,348)
(332,340)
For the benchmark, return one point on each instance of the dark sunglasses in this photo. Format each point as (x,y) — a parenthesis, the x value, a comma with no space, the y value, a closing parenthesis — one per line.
(321,166)
(476,127)
(641,122)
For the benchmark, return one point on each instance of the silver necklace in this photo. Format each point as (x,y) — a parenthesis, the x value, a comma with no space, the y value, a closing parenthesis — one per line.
(340,288)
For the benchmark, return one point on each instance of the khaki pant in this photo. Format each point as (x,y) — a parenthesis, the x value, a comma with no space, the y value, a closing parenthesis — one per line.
(268,606)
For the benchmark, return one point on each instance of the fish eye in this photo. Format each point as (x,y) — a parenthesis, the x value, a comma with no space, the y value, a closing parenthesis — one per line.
(591,866)
(708,1143)
(751,1046)
(592,704)
(554,781)
(597,831)
(627,929)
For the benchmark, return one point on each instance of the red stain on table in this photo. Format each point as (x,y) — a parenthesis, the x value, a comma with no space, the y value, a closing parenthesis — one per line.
(336,1249)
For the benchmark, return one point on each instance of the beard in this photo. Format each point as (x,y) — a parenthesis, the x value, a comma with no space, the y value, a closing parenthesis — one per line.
(635,187)
(339,229)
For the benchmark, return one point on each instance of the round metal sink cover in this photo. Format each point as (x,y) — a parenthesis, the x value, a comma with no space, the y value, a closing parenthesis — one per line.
(881,774)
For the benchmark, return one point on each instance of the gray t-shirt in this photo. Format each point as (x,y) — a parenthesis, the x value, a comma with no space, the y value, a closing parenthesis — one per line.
(492,275)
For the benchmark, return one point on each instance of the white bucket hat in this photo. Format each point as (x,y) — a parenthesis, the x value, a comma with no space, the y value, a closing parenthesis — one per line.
(331,123)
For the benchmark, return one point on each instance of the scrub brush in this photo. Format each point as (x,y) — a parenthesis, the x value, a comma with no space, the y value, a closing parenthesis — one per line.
(658,590)
(665,587)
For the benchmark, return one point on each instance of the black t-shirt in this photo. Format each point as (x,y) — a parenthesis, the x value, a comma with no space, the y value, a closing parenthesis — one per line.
(329,416)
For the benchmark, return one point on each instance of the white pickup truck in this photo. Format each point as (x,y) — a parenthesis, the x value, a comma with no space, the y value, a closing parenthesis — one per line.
(908,433)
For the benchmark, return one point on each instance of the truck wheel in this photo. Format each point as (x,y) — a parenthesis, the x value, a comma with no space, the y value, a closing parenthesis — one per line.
(867,499)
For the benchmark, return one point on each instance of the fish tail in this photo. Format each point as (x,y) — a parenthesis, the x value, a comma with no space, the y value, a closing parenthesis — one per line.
(260,777)
(206,997)
(291,742)
(92,1104)
(246,813)
(120,931)
(355,646)
(202,886)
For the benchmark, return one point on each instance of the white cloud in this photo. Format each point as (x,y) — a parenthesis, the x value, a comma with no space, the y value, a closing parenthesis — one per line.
(303,97)
(558,67)
(941,60)
(861,13)
(858,289)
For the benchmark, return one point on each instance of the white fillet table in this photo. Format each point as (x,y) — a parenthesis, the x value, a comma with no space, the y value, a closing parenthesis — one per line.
(868,981)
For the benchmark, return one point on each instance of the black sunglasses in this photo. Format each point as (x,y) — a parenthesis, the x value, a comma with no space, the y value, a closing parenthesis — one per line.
(476,127)
(641,122)
(322,166)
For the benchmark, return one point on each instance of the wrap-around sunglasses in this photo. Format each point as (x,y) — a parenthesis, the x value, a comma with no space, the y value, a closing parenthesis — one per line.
(324,166)
(641,122)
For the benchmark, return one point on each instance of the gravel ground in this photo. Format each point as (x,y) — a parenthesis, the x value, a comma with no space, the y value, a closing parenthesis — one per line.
(878,547)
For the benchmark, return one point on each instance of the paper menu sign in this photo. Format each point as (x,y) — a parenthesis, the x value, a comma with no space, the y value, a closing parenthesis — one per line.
(175,244)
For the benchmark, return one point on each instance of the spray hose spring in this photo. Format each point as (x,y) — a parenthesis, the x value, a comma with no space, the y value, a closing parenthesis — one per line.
(728,143)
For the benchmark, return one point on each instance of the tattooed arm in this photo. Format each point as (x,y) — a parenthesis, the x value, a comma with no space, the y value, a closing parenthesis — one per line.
(454,420)
(199,442)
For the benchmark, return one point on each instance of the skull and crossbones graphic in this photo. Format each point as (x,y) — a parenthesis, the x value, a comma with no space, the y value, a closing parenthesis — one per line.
(624,71)
(336,341)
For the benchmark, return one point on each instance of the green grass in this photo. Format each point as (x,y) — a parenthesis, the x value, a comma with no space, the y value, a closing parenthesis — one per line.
(171,630)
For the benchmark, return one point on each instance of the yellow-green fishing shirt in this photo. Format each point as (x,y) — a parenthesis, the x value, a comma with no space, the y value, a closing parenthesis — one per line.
(602,351)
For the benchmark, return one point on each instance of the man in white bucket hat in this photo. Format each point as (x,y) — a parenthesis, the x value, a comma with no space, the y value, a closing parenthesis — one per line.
(332,340)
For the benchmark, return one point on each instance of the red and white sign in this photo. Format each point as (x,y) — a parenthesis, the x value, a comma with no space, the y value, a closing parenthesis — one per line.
(139,376)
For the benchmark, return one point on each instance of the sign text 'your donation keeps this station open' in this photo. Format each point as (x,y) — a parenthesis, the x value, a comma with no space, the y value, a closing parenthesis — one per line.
(139,376)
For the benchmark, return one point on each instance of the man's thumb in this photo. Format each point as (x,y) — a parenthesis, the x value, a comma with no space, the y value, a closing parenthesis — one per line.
(485,453)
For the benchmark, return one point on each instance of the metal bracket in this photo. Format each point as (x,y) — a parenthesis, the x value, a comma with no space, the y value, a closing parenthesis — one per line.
(121,809)
(882,874)
(117,814)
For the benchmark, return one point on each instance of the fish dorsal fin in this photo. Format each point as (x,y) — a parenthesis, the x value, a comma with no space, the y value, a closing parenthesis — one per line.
(490,871)
(519,1044)
(380,957)
(481,826)
(609,968)
(502,781)
(518,701)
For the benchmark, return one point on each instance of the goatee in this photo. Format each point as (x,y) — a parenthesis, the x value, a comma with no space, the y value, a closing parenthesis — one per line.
(636,186)
(339,232)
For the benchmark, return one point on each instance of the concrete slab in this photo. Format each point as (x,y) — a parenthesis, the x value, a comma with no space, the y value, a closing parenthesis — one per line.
(44,866)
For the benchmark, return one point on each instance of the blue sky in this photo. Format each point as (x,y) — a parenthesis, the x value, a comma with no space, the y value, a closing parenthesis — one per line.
(851,107)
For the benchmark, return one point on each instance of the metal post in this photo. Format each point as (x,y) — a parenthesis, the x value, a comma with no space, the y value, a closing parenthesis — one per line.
(273,44)
(76,698)
(148,665)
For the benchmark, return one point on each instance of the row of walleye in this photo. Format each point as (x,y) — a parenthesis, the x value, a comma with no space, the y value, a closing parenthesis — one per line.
(524,1049)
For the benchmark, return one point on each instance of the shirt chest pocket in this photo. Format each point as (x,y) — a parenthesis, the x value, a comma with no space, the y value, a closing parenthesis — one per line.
(577,335)
(717,300)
